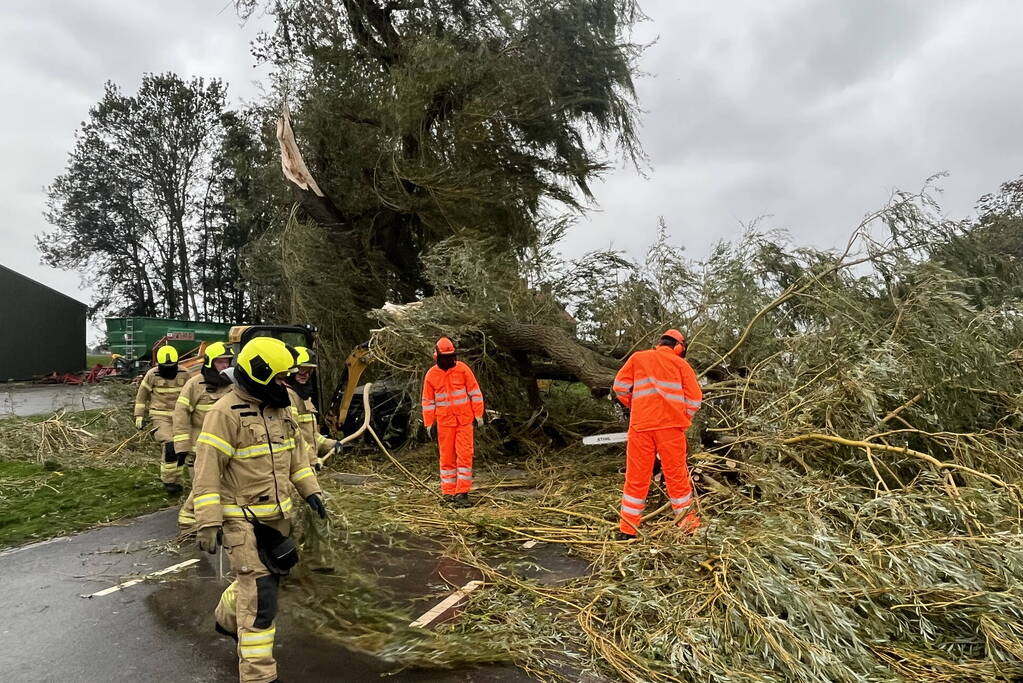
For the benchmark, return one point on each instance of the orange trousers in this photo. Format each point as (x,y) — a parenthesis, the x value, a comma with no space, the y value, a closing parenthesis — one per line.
(642,448)
(456,450)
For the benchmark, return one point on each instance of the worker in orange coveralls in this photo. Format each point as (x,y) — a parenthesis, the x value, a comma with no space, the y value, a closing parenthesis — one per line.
(452,406)
(662,394)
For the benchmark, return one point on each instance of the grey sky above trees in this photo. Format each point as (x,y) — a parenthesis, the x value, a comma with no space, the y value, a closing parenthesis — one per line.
(807,111)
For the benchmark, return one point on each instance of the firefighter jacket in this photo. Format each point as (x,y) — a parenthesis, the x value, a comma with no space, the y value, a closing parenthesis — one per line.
(195,400)
(660,388)
(317,445)
(244,458)
(159,394)
(451,397)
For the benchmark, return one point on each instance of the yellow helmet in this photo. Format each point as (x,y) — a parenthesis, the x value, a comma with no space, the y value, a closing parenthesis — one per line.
(166,354)
(263,358)
(217,350)
(306,357)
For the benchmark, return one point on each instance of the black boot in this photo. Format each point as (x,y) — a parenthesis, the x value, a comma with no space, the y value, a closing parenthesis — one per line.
(224,632)
(172,488)
(462,500)
(622,536)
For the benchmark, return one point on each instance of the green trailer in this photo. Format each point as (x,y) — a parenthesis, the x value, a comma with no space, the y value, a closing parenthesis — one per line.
(133,338)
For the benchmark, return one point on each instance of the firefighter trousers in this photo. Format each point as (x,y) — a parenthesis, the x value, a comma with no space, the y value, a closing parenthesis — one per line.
(642,449)
(248,607)
(456,451)
(163,434)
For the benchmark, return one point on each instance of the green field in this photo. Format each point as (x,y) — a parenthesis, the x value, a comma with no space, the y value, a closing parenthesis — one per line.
(36,503)
(94,359)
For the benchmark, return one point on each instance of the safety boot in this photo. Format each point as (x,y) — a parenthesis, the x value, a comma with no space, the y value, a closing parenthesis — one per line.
(172,488)
(622,536)
(689,524)
(224,632)
(461,500)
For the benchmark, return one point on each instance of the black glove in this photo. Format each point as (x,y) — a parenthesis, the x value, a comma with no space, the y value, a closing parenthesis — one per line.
(431,431)
(209,538)
(316,503)
(626,413)
(479,421)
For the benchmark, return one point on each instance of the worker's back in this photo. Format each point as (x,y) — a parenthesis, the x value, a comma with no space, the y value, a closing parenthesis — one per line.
(660,388)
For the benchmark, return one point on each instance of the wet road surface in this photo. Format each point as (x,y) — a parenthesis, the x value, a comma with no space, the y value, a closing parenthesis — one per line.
(39,399)
(154,632)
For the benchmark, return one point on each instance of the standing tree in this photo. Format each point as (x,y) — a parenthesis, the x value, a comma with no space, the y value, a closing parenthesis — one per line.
(126,207)
(421,121)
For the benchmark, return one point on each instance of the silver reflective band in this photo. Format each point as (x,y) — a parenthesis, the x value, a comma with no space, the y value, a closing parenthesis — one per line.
(681,501)
(632,510)
(634,500)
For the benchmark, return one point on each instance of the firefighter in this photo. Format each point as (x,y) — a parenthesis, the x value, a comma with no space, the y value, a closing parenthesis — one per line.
(249,449)
(300,382)
(158,391)
(452,406)
(662,394)
(197,397)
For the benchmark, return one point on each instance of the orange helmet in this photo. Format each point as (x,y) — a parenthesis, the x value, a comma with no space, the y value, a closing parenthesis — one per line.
(444,346)
(676,335)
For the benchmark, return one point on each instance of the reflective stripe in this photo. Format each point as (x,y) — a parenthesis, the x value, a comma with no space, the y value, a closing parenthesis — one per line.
(204,407)
(475,392)
(633,499)
(443,403)
(301,474)
(440,395)
(185,517)
(622,386)
(645,392)
(632,510)
(448,471)
(668,385)
(178,438)
(428,404)
(458,392)
(263,449)
(681,501)
(183,400)
(695,404)
(256,652)
(643,381)
(268,510)
(167,413)
(477,399)
(140,405)
(320,438)
(228,599)
(216,442)
(258,637)
(461,401)
(147,386)
(464,477)
(663,394)
(448,480)
(168,466)
(465,469)
(207,499)
(308,417)
(168,390)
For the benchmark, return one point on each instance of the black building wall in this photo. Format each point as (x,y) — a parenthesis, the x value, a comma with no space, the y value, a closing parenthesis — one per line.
(41,330)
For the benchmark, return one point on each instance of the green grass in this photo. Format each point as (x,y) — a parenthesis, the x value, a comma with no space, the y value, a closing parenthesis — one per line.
(36,503)
(94,359)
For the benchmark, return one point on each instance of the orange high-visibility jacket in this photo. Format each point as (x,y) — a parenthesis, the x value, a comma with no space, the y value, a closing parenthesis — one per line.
(660,388)
(451,397)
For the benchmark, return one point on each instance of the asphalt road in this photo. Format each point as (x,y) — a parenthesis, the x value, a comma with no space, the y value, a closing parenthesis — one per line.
(153,632)
(38,399)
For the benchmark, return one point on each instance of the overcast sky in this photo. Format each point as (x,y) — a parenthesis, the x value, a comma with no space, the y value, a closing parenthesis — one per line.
(806,111)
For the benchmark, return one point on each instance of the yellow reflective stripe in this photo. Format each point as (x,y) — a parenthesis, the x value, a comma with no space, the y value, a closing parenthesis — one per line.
(147,386)
(308,417)
(161,412)
(228,598)
(140,405)
(256,652)
(301,474)
(183,400)
(207,499)
(218,443)
(320,438)
(185,517)
(268,510)
(203,407)
(168,390)
(294,410)
(178,438)
(264,449)
(168,466)
(258,637)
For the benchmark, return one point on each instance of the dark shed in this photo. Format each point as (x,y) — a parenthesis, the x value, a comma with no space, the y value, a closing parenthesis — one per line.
(41,330)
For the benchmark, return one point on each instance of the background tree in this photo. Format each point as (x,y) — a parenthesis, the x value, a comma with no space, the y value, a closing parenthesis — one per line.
(127,206)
